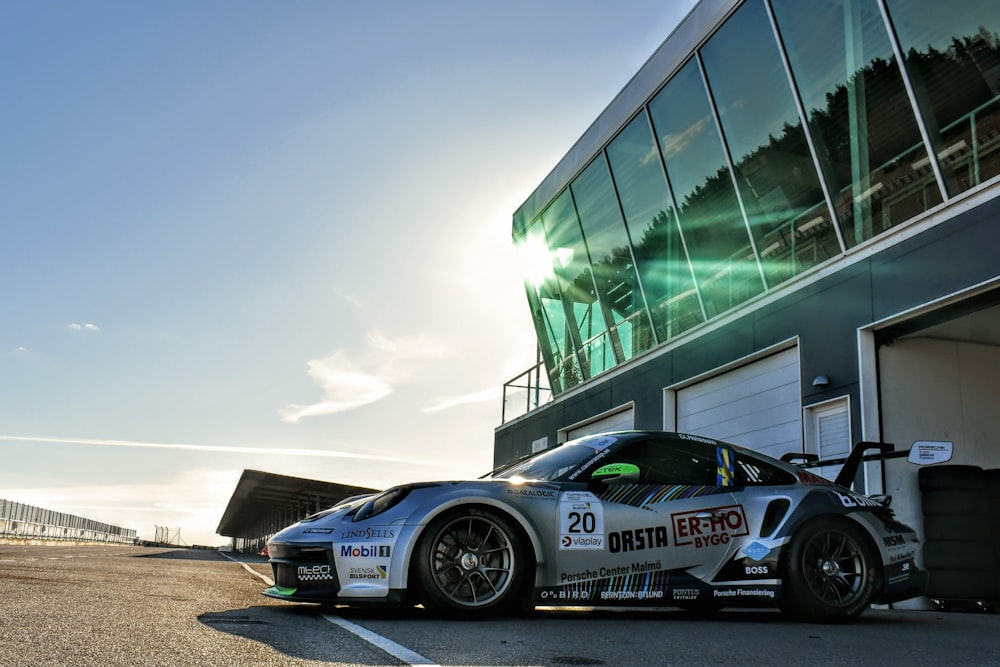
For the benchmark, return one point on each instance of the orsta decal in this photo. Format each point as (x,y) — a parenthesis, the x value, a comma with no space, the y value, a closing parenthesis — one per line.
(637,539)
(709,527)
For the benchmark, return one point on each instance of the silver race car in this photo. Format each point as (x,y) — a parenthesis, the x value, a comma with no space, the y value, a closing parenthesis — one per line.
(623,519)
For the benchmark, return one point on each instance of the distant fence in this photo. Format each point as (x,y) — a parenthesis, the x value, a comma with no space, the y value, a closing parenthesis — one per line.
(25,522)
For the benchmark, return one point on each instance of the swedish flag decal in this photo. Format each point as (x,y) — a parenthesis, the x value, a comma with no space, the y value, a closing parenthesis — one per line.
(724,466)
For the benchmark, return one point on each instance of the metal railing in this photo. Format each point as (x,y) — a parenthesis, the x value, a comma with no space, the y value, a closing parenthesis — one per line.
(27,522)
(525,392)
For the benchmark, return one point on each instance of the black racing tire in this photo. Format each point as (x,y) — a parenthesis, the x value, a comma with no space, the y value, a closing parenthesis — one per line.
(830,571)
(959,555)
(955,527)
(473,563)
(950,477)
(954,502)
(992,483)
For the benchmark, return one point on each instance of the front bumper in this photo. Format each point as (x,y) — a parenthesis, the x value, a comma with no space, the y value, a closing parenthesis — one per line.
(303,573)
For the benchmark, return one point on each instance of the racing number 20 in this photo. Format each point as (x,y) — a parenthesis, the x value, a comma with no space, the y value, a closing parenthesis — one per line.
(582,522)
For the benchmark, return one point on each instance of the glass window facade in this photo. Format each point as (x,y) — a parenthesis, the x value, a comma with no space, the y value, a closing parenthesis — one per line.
(952,55)
(795,132)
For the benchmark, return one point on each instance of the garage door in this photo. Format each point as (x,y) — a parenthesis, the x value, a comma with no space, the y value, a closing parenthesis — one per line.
(757,405)
(619,421)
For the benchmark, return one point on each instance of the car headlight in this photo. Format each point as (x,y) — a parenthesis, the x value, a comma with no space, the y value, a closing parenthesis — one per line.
(385,501)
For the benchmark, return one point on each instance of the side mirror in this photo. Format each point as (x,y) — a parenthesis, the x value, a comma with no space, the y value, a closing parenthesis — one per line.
(929,452)
(616,473)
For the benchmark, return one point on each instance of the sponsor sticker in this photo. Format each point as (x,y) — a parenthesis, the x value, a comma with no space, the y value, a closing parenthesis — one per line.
(709,527)
(756,551)
(314,573)
(370,533)
(637,539)
(856,500)
(581,521)
(531,493)
(362,551)
(376,572)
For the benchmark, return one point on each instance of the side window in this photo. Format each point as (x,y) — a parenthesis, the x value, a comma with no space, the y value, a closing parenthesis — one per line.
(751,471)
(672,462)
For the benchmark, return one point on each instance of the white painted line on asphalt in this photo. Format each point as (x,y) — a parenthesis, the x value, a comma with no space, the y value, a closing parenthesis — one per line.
(263,577)
(397,651)
(392,648)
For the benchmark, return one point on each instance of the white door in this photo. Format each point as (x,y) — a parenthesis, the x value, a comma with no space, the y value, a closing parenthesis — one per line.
(758,405)
(622,420)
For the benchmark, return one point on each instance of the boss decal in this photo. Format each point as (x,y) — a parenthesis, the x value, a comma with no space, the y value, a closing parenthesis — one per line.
(709,527)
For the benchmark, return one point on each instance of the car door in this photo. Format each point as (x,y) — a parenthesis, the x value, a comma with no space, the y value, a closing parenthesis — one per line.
(658,512)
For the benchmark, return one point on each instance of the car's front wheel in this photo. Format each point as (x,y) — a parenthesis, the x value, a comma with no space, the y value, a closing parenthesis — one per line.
(830,573)
(471,562)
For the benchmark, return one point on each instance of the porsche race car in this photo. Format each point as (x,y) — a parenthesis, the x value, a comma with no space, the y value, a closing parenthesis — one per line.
(623,519)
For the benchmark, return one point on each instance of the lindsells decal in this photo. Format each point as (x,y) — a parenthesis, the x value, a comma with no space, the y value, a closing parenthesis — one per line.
(531,493)
(376,533)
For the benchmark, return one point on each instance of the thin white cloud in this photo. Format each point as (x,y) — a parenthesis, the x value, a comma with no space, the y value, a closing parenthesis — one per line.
(348,383)
(76,326)
(448,402)
(21,350)
(263,451)
(354,301)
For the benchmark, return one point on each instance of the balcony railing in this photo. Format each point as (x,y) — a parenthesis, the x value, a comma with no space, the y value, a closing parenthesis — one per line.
(526,392)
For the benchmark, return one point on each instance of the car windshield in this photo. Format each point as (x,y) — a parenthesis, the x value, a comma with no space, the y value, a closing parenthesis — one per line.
(551,465)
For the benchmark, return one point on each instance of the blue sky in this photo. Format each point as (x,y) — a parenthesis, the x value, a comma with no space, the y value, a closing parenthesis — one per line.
(275,235)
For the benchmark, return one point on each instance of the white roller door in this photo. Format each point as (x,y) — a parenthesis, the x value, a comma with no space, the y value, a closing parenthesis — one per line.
(758,405)
(619,421)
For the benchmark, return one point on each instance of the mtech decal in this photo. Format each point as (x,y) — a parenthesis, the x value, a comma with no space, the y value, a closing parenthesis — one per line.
(709,527)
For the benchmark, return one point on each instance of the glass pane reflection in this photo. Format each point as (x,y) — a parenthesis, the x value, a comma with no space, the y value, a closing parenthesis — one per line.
(611,261)
(710,217)
(652,223)
(584,317)
(952,53)
(859,114)
(781,191)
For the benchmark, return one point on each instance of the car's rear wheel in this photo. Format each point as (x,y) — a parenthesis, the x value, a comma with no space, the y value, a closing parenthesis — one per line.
(471,562)
(830,572)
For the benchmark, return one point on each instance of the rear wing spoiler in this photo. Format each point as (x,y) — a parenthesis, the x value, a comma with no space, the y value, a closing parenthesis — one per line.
(923,452)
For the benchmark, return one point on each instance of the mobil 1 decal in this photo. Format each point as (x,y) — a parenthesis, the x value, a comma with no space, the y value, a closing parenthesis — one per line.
(581,521)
